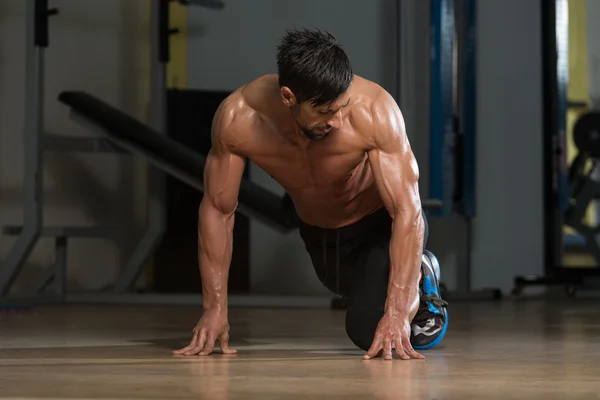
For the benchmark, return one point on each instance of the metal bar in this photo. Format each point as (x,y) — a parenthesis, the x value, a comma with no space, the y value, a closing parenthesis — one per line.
(562,83)
(78,144)
(33,174)
(552,224)
(156,203)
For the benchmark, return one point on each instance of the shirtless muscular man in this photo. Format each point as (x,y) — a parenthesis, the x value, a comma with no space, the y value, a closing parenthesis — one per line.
(337,144)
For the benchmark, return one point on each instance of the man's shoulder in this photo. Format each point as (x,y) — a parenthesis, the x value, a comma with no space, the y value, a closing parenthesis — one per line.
(234,119)
(376,113)
(244,104)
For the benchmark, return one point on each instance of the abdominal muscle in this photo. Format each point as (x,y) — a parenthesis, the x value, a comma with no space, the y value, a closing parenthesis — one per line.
(336,205)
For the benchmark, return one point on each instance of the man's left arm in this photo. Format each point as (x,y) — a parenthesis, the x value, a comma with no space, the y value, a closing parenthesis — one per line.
(397,176)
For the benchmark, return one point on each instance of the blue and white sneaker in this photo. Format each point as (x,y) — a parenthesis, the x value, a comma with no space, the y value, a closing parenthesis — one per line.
(431,321)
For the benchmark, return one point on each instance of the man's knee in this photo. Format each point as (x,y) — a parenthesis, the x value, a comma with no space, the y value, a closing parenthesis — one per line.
(361,325)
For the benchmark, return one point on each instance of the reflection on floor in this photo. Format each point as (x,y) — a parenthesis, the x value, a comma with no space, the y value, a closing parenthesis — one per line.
(505,350)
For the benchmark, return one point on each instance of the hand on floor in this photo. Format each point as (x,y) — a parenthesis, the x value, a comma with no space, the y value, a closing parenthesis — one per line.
(393,332)
(212,326)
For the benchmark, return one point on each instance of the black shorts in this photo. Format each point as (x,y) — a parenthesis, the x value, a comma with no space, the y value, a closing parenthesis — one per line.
(354,262)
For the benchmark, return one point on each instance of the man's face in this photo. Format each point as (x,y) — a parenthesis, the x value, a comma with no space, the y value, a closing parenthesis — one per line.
(317,122)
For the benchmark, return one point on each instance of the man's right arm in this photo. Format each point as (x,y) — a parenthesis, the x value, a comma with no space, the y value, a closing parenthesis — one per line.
(222,176)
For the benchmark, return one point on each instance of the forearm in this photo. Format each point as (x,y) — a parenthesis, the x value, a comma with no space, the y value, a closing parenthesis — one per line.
(406,249)
(215,246)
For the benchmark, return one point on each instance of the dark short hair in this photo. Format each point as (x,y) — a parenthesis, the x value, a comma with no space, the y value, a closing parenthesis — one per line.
(313,65)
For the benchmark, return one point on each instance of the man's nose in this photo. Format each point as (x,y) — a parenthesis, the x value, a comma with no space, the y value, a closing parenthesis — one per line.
(336,120)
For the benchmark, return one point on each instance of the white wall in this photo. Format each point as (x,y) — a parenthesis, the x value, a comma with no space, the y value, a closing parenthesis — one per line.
(100,47)
(507,233)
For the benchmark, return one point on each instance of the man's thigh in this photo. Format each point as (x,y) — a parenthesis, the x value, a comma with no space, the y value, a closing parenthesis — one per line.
(333,267)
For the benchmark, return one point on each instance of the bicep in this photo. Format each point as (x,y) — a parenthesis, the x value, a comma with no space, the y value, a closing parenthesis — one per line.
(223,173)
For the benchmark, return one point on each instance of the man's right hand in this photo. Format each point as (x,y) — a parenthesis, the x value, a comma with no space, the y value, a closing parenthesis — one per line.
(213,325)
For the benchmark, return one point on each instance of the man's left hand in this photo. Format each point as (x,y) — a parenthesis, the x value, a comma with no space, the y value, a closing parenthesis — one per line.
(393,332)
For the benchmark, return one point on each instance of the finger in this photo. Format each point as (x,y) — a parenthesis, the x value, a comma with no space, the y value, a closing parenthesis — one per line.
(185,349)
(199,344)
(225,344)
(374,349)
(189,346)
(410,351)
(387,349)
(209,346)
(400,351)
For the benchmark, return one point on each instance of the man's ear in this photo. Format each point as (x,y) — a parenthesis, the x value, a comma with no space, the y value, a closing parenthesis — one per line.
(287,96)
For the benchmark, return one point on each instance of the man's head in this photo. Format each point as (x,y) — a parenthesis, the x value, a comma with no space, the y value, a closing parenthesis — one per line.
(315,76)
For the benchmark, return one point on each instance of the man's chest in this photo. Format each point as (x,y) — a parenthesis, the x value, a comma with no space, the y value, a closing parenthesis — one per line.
(321,163)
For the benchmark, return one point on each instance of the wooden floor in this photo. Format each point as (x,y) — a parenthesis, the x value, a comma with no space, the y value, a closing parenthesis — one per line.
(507,350)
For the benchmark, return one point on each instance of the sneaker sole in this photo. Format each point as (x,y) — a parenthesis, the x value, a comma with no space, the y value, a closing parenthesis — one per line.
(435,265)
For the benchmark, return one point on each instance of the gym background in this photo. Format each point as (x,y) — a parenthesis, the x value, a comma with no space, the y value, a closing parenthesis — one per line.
(105,112)
(104,48)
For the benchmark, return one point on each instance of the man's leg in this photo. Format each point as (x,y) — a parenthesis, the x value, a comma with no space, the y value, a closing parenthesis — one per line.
(368,293)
